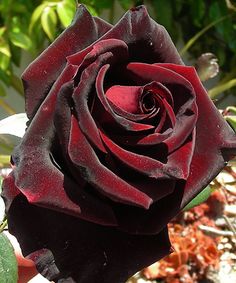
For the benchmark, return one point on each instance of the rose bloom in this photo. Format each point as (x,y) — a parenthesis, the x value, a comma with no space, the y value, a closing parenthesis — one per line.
(121,136)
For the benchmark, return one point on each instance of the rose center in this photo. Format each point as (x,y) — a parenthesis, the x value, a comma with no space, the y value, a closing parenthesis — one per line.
(149,102)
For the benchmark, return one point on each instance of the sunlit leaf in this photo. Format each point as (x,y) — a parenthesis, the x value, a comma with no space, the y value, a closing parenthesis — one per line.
(200,198)
(232,121)
(4,48)
(221,88)
(8,263)
(4,76)
(2,30)
(4,61)
(21,40)
(36,16)
(65,11)
(49,21)
(231,109)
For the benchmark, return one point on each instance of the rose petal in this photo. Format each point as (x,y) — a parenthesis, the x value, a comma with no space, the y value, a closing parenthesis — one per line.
(187,114)
(127,124)
(125,97)
(98,175)
(115,255)
(42,73)
(142,164)
(214,138)
(151,221)
(45,179)
(81,96)
(148,41)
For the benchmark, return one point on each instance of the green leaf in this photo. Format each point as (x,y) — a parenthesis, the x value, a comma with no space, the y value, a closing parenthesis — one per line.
(163,10)
(5,77)
(221,88)
(197,11)
(2,30)
(4,61)
(231,109)
(36,16)
(126,4)
(49,21)
(4,48)
(232,121)
(66,11)
(21,40)
(200,198)
(2,90)
(8,263)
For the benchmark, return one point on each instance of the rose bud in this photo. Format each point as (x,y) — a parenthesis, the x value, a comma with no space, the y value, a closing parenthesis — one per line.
(121,136)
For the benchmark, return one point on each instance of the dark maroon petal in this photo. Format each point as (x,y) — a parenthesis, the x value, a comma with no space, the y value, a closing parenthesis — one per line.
(142,140)
(102,26)
(81,97)
(148,41)
(130,116)
(146,73)
(179,161)
(62,123)
(67,249)
(125,97)
(140,163)
(214,138)
(125,123)
(118,48)
(10,191)
(187,114)
(144,164)
(45,180)
(152,221)
(42,73)
(104,180)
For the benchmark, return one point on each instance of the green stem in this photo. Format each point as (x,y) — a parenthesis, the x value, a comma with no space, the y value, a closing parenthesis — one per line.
(221,88)
(201,32)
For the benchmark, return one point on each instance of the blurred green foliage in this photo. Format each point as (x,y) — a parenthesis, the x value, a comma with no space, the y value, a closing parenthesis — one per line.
(200,26)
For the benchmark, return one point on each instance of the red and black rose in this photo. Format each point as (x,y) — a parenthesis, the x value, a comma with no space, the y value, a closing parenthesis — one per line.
(121,136)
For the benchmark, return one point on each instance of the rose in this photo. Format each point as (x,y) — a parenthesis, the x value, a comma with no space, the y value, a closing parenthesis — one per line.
(121,137)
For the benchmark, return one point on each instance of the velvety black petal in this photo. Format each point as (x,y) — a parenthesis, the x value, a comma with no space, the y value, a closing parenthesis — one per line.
(42,73)
(147,41)
(214,137)
(95,173)
(66,248)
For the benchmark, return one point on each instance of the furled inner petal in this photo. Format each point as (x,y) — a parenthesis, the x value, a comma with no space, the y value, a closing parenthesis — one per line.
(125,97)
(142,164)
(104,180)
(86,57)
(186,115)
(121,121)
(213,138)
